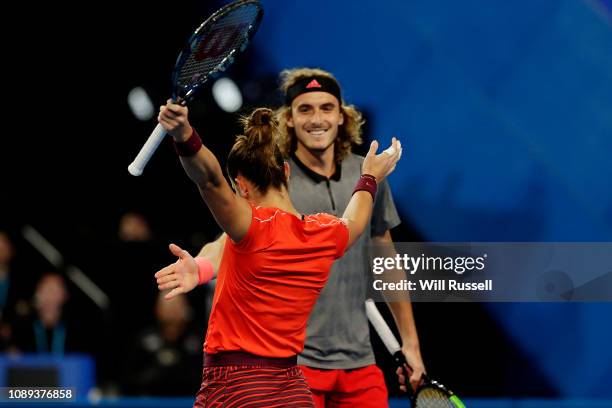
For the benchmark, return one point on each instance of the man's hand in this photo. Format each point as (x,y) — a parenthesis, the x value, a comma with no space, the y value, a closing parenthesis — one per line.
(173,117)
(413,357)
(381,165)
(181,276)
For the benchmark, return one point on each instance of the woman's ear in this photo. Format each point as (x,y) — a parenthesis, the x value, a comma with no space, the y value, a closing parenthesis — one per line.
(242,188)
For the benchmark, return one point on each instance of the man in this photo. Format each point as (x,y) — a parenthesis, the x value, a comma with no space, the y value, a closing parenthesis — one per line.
(317,132)
(163,359)
(48,329)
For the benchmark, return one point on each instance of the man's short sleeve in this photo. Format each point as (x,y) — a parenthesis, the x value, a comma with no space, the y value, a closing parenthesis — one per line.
(384,214)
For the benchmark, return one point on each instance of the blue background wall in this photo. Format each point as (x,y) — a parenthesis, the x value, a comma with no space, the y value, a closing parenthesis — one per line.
(505,112)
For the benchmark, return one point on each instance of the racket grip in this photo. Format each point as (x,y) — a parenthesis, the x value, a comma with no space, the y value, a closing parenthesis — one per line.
(381,327)
(400,361)
(147,151)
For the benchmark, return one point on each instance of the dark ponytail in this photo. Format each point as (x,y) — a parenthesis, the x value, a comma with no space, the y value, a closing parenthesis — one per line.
(255,155)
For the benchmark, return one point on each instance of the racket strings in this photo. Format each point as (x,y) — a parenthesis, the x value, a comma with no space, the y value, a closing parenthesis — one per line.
(431,397)
(224,36)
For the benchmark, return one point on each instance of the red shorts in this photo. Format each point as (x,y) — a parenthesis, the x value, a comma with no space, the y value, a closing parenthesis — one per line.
(359,387)
(254,382)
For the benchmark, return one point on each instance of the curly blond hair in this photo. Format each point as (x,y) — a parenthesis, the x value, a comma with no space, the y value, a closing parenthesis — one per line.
(349,132)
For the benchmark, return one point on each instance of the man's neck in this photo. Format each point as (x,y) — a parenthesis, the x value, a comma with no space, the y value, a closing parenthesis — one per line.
(323,163)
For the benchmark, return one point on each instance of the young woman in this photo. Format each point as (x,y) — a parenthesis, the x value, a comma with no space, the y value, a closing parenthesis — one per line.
(275,261)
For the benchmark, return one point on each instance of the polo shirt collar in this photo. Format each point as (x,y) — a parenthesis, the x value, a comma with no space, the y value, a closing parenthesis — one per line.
(314,176)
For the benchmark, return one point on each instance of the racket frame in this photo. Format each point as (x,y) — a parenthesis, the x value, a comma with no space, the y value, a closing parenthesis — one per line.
(183,95)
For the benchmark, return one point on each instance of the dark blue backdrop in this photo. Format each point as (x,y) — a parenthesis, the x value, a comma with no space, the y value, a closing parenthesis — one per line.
(505,111)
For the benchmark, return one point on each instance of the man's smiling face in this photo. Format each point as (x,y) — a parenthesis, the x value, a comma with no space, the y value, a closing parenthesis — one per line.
(315,117)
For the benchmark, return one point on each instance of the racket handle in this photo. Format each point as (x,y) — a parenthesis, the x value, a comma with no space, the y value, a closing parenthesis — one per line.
(387,337)
(147,151)
(381,327)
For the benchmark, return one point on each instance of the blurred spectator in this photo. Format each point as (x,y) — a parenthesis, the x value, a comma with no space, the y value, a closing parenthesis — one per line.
(133,261)
(6,254)
(124,270)
(13,295)
(133,258)
(133,227)
(165,359)
(48,329)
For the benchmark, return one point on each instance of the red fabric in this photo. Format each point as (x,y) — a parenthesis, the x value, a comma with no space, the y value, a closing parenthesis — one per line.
(251,387)
(269,282)
(356,388)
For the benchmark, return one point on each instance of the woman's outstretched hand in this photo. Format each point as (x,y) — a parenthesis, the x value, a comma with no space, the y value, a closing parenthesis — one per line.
(181,276)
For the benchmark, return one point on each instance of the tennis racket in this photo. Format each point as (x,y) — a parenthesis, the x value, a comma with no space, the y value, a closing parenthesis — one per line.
(430,394)
(211,50)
